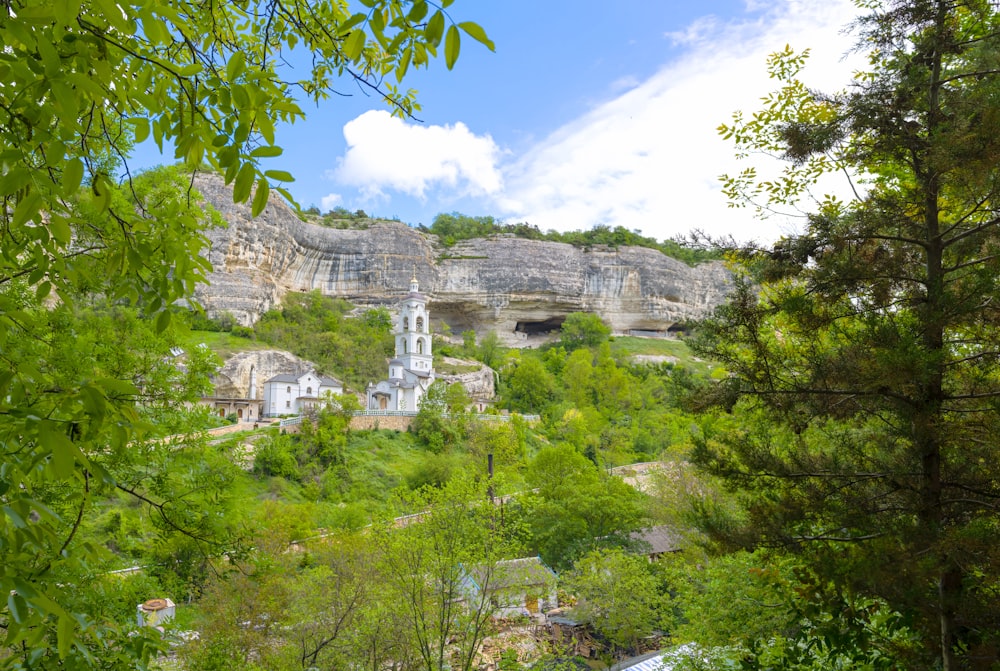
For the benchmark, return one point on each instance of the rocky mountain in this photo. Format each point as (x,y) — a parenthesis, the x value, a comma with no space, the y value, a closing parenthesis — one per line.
(519,288)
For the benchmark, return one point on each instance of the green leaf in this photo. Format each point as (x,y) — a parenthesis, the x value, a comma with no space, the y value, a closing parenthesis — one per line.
(162,321)
(42,291)
(452,44)
(260,198)
(14,517)
(17,607)
(154,30)
(243,183)
(476,32)
(267,151)
(64,634)
(347,25)
(418,11)
(59,228)
(404,64)
(102,193)
(141,128)
(435,28)
(66,101)
(72,176)
(286,195)
(66,10)
(236,65)
(63,453)
(353,45)
(279,175)
(190,70)
(15,180)
(27,208)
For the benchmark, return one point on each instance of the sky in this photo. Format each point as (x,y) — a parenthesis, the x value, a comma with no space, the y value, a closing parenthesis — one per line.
(588,113)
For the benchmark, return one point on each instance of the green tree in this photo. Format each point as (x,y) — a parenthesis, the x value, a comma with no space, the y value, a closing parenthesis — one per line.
(618,594)
(80,83)
(867,360)
(528,386)
(429,566)
(583,329)
(432,425)
(575,508)
(490,351)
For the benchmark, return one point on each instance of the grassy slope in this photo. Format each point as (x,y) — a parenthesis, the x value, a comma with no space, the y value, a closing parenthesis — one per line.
(679,352)
(223,344)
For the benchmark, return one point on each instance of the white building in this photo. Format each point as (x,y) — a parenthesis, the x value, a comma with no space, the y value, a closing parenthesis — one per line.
(411,372)
(294,393)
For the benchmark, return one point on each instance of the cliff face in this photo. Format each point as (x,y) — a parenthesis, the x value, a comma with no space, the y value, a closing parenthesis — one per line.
(517,287)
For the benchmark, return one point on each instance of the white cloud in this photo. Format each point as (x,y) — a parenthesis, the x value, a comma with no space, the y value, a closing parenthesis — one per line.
(330,201)
(697,31)
(386,153)
(650,159)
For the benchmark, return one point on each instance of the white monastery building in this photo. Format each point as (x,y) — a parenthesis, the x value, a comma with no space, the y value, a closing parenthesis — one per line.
(293,394)
(411,372)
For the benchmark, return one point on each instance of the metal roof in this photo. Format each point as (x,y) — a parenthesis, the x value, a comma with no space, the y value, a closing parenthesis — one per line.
(666,660)
(284,377)
(660,539)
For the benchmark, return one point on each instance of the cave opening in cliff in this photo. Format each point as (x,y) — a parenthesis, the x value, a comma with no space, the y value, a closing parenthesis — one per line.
(678,329)
(540,327)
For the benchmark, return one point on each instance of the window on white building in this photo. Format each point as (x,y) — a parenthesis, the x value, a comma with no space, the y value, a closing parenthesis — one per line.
(406,323)
(309,391)
(420,324)
(288,390)
(288,404)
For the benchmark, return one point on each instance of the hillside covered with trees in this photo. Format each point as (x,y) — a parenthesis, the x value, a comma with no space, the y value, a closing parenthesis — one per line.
(825,464)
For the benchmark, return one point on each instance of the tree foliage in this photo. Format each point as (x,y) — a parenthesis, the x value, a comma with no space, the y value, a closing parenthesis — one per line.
(574,508)
(320,329)
(80,84)
(454,227)
(618,594)
(583,329)
(91,390)
(867,357)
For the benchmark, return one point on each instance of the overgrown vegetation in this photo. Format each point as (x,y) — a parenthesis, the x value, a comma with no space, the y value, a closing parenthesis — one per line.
(847,495)
(351,346)
(455,227)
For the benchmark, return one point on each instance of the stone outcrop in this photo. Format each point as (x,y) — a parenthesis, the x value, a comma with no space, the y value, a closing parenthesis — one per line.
(520,288)
(233,379)
(480,384)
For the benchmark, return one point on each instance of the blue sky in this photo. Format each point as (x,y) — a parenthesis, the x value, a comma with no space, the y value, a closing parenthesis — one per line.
(588,113)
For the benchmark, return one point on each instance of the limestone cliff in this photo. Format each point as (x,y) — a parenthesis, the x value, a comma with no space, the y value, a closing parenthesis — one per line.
(515,286)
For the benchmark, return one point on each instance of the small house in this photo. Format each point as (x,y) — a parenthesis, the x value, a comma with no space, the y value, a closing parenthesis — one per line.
(296,393)
(655,542)
(155,612)
(516,587)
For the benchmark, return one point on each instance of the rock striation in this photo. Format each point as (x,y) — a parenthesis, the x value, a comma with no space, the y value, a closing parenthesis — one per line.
(519,288)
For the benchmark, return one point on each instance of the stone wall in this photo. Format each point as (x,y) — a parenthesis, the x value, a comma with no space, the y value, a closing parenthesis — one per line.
(388,422)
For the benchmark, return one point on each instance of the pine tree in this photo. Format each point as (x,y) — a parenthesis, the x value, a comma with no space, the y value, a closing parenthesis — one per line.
(864,350)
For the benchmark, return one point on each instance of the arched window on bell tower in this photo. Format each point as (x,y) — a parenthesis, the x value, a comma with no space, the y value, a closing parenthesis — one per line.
(420,345)
(406,324)
(420,325)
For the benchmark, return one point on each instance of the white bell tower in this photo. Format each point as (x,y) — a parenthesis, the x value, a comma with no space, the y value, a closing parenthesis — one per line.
(413,335)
